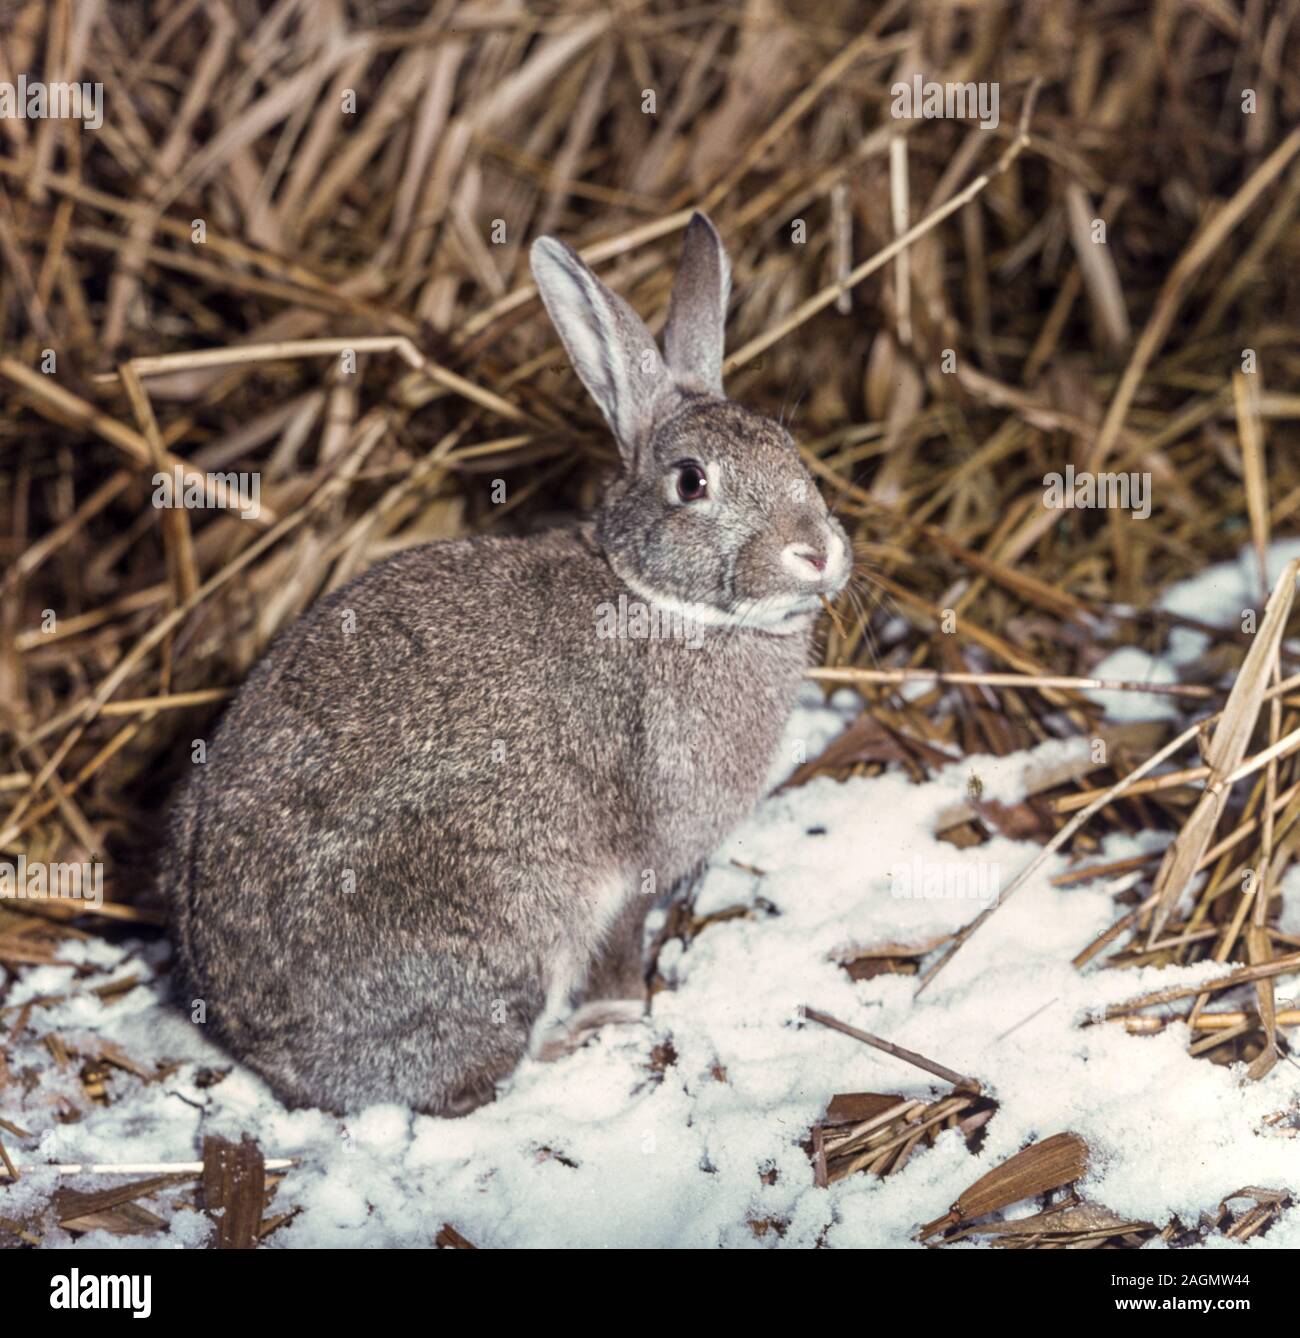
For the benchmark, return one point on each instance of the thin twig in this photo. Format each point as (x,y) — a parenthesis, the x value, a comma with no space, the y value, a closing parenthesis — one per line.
(898,1051)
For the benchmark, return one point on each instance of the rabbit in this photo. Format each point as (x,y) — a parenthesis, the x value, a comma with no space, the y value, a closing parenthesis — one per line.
(441,806)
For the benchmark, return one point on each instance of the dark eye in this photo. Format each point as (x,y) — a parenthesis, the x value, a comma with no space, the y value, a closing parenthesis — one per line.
(692,483)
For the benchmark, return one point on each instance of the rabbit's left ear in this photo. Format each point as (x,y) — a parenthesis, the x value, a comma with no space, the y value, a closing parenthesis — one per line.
(697,314)
(611,350)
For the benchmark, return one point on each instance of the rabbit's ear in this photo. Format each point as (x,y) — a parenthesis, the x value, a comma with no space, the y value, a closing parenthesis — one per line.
(608,344)
(697,314)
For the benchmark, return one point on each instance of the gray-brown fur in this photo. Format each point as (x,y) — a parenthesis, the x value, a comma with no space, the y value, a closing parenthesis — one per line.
(442,796)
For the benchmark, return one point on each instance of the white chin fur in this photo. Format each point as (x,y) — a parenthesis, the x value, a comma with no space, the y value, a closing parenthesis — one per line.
(782,614)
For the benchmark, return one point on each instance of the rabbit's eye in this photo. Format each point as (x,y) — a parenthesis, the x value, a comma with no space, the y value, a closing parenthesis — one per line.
(692,483)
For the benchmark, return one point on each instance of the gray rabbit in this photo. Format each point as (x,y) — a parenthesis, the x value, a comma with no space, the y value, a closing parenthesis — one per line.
(436,814)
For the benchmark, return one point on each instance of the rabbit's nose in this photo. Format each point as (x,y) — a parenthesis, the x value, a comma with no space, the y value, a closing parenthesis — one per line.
(805,561)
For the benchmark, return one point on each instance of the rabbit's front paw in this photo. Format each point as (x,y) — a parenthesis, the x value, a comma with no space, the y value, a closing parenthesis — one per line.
(564,1037)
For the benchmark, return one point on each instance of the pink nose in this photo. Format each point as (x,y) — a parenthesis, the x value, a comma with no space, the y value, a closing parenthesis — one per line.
(814,560)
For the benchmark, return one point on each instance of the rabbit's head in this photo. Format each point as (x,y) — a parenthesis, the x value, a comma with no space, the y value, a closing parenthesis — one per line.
(714,514)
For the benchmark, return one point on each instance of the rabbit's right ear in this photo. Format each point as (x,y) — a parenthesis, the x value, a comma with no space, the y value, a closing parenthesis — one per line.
(607,342)
(697,313)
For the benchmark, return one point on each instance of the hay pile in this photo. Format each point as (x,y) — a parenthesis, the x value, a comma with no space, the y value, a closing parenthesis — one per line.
(297,248)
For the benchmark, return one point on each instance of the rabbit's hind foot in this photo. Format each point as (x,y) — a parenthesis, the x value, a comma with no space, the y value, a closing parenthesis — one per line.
(564,1037)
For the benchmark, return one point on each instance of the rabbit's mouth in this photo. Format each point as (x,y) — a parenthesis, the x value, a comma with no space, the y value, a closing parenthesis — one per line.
(816,573)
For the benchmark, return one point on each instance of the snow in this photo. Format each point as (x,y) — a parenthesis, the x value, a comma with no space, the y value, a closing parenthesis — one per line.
(1221,594)
(1289,921)
(1129,664)
(604,1149)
